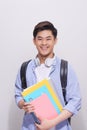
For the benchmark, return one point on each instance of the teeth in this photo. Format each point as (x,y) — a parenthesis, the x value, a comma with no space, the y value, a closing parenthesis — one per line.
(44,48)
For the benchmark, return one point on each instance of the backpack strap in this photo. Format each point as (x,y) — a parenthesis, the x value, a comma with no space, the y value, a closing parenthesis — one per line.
(23,74)
(63,77)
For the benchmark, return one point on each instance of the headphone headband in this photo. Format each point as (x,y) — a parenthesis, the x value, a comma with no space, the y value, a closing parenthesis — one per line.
(48,62)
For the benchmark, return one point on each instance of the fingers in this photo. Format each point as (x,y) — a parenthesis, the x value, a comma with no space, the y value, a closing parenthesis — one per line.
(37,126)
(45,125)
(28,107)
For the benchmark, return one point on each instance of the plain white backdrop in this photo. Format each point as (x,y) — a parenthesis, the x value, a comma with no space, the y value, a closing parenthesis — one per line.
(17,20)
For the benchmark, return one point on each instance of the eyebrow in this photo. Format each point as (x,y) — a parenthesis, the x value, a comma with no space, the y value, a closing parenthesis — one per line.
(43,37)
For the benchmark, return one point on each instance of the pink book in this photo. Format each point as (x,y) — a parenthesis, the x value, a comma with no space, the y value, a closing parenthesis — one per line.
(44,108)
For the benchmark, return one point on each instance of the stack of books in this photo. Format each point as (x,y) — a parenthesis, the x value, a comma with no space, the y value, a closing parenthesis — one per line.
(44,99)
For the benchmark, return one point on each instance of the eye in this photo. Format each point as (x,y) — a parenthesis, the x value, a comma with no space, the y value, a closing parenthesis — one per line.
(48,39)
(39,39)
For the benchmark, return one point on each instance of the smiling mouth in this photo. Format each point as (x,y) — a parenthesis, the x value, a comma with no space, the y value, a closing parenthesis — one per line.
(44,48)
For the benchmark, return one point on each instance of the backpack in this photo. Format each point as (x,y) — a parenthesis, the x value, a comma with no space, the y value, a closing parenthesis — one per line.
(63,77)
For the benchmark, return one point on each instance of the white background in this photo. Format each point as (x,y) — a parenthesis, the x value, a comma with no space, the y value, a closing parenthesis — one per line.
(17,20)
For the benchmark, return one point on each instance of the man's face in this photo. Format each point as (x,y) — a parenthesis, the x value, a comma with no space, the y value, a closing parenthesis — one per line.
(45,42)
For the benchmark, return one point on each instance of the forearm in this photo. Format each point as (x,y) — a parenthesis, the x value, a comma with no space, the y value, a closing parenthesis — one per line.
(65,114)
(47,124)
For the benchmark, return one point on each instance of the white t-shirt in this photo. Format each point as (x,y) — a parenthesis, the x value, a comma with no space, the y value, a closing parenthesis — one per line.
(42,72)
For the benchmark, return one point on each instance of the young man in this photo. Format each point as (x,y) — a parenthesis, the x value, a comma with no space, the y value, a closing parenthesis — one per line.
(47,64)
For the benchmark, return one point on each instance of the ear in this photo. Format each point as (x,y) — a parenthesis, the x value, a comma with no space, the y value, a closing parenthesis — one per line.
(34,41)
(56,40)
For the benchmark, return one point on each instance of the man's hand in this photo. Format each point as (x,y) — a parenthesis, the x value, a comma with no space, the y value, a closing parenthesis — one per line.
(27,107)
(45,124)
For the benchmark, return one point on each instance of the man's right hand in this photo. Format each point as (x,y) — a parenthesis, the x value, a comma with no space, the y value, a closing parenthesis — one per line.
(26,106)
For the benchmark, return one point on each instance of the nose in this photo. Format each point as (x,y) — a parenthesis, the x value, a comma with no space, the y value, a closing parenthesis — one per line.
(44,42)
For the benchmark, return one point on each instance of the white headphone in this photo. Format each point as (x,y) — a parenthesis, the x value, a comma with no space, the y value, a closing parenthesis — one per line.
(48,61)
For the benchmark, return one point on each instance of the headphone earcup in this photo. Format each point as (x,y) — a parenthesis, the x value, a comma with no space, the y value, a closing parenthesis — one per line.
(48,62)
(37,61)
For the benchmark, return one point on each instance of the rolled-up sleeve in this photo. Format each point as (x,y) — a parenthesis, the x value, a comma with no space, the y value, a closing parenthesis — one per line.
(18,88)
(73,95)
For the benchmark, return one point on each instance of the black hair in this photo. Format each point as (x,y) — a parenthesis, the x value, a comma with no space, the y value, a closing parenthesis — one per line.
(45,25)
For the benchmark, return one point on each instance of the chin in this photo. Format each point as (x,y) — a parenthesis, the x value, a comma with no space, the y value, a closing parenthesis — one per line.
(44,55)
